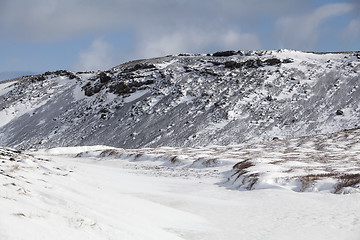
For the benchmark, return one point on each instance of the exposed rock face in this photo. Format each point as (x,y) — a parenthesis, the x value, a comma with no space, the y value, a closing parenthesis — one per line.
(187,100)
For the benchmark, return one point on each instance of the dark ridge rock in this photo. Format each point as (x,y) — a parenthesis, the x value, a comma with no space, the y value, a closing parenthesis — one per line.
(287,60)
(269,98)
(339,112)
(90,90)
(63,73)
(104,78)
(253,63)
(233,64)
(140,66)
(40,78)
(120,88)
(216,63)
(230,64)
(123,88)
(224,54)
(272,61)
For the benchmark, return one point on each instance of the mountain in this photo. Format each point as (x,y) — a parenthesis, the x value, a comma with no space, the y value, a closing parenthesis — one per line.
(187,100)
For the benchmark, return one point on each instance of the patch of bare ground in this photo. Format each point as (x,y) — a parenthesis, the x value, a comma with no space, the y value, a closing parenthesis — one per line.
(347,180)
(241,170)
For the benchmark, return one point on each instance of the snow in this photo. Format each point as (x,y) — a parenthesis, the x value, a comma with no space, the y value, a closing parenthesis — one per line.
(135,95)
(15,111)
(82,193)
(78,93)
(185,99)
(165,64)
(34,102)
(5,87)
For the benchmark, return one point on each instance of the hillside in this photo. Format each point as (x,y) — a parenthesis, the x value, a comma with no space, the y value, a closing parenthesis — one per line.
(185,101)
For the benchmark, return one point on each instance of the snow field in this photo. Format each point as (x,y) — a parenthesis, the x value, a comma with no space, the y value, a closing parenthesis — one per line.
(95,198)
(328,162)
(99,192)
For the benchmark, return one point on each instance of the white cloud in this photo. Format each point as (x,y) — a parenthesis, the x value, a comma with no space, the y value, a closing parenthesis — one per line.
(352,31)
(302,32)
(97,57)
(241,41)
(196,41)
(159,27)
(44,20)
(162,27)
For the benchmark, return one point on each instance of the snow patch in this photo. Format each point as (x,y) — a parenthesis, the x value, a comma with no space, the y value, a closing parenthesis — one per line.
(6,87)
(136,95)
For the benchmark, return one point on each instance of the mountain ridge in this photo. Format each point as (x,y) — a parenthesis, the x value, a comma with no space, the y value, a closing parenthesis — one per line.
(193,100)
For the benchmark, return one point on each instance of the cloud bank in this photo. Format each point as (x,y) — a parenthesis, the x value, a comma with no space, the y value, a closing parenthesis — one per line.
(302,32)
(162,27)
(97,57)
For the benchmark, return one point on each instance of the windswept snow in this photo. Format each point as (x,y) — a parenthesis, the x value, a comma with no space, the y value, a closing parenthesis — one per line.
(100,192)
(135,96)
(325,163)
(165,64)
(6,87)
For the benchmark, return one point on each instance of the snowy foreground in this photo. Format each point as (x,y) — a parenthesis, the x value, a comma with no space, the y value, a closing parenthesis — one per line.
(182,193)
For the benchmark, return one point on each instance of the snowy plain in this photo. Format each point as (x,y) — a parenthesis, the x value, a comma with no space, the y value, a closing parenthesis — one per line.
(101,192)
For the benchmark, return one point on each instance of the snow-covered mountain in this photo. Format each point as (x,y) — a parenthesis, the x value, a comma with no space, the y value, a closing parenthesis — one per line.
(187,100)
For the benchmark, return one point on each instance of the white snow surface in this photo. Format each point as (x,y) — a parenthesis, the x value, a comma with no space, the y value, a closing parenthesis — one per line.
(5,87)
(100,192)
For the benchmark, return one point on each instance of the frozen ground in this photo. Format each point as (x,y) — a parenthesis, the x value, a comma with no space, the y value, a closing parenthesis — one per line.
(180,193)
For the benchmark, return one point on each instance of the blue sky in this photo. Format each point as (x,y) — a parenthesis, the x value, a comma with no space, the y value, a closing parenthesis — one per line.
(46,35)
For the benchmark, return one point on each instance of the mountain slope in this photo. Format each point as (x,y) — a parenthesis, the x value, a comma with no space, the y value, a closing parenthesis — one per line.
(186,100)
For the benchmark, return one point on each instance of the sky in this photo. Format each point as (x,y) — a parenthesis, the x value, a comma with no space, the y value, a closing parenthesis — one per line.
(80,35)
